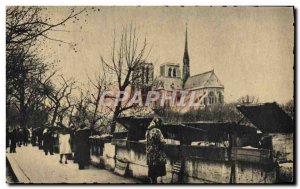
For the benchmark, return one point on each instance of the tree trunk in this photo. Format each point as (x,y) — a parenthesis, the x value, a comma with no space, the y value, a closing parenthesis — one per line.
(114,119)
(22,98)
(54,116)
(113,123)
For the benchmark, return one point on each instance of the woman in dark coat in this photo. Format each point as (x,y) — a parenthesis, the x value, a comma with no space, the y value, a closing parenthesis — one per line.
(20,137)
(82,146)
(13,141)
(33,137)
(156,158)
(73,143)
(25,136)
(48,140)
(39,133)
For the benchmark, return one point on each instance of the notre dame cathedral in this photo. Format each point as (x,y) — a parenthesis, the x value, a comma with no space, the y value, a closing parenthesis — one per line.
(208,88)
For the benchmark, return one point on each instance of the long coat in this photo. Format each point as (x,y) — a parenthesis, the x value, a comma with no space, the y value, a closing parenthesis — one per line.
(48,140)
(154,148)
(13,139)
(82,146)
(156,157)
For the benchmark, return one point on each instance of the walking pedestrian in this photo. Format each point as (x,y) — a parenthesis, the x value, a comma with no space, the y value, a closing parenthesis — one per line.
(64,145)
(20,137)
(48,141)
(25,136)
(73,143)
(40,136)
(82,145)
(33,136)
(156,158)
(13,141)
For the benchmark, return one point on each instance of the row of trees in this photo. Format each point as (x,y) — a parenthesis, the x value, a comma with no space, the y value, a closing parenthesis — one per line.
(36,92)
(28,76)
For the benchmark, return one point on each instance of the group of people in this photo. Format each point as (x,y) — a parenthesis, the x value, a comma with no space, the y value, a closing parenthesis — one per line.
(71,142)
(75,142)
(16,138)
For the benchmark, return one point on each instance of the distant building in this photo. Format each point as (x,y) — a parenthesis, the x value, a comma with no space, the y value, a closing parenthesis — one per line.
(142,79)
(207,87)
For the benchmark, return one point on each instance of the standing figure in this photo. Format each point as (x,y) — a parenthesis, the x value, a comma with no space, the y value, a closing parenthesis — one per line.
(156,158)
(64,145)
(82,146)
(73,143)
(13,141)
(51,141)
(40,137)
(33,136)
(20,137)
(45,141)
(25,136)
(48,141)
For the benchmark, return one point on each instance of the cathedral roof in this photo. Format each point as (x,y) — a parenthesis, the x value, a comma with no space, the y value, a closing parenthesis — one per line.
(206,79)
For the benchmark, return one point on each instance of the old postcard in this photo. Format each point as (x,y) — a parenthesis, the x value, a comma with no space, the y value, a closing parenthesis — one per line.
(150,95)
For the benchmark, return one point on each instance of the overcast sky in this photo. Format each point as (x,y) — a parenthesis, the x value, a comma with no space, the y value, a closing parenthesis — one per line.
(250,48)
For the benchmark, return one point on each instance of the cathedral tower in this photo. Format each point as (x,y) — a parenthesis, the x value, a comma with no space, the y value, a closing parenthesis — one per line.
(186,60)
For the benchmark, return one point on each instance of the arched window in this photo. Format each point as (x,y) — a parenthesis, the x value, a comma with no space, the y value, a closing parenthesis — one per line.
(147,75)
(221,98)
(174,72)
(170,72)
(212,98)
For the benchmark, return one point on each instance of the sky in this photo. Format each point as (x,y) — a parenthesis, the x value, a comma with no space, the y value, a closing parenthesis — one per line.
(249,48)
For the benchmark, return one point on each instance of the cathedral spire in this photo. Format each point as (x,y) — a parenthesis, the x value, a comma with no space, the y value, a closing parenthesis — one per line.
(186,59)
(186,53)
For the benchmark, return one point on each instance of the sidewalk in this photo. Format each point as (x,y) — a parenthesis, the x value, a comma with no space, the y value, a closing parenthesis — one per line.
(30,165)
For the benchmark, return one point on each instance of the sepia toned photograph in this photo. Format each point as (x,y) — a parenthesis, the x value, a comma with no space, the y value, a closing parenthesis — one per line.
(150,95)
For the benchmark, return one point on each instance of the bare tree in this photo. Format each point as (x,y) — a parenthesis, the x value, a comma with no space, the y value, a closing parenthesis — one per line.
(99,85)
(25,24)
(289,108)
(59,98)
(127,54)
(25,69)
(248,99)
(25,73)
(81,107)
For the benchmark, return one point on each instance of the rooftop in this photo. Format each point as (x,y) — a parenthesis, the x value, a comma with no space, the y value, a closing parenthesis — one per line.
(207,79)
